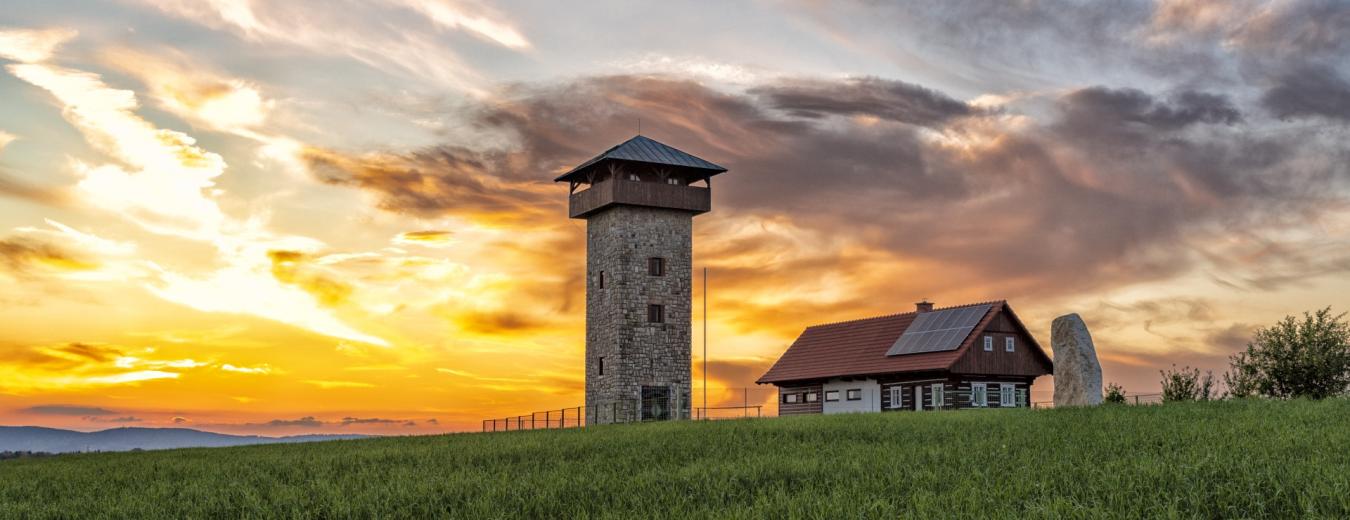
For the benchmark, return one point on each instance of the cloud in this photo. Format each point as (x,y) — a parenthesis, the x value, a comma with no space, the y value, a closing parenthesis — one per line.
(433,422)
(22,255)
(1115,182)
(1314,91)
(124,419)
(329,385)
(32,45)
(65,409)
(446,180)
(870,96)
(179,420)
(1100,108)
(408,48)
(258,370)
(187,88)
(306,422)
(429,238)
(472,17)
(169,189)
(294,268)
(39,369)
(60,251)
(347,421)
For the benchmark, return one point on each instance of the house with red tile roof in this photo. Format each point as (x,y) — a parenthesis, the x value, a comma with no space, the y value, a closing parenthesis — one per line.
(978,355)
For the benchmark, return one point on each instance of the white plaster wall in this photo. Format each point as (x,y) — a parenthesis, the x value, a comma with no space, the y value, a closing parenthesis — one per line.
(871,397)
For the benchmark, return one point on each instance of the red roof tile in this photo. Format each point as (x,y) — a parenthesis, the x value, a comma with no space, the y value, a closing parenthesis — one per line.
(858,347)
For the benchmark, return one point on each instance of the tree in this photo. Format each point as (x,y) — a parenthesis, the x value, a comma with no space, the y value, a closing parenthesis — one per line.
(1115,394)
(1242,379)
(1295,358)
(1186,384)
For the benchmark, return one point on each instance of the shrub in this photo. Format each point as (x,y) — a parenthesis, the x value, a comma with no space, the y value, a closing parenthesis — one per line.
(1115,394)
(1295,358)
(1186,384)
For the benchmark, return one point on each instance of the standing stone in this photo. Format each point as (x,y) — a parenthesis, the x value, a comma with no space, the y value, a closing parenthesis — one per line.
(1078,376)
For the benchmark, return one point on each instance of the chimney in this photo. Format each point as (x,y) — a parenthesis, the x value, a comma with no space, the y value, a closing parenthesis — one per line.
(923,306)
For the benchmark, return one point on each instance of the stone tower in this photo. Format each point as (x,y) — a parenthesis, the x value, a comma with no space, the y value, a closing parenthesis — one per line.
(639,202)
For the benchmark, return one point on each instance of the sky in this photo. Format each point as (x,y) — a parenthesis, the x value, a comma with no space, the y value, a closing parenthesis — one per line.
(282,217)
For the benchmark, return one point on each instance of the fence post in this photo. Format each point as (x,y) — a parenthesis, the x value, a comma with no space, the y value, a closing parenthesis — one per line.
(579,418)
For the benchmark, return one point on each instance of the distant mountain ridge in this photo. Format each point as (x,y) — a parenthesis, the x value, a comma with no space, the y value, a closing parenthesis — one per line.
(53,440)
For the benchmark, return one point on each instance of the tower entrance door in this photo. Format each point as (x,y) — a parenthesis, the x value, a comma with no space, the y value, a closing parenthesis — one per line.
(656,405)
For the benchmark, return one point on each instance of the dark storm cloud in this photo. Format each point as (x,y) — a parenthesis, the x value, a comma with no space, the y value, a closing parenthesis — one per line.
(1028,44)
(1110,188)
(1316,91)
(1094,108)
(65,409)
(887,99)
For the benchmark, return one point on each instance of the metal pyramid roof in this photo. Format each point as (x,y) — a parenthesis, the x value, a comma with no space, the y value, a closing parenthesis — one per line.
(643,149)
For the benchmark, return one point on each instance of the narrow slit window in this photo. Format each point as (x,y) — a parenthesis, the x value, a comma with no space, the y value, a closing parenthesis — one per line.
(656,266)
(1009,344)
(656,313)
(600,368)
(601,280)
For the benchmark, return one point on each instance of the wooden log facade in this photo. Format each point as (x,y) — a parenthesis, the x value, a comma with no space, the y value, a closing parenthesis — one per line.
(994,367)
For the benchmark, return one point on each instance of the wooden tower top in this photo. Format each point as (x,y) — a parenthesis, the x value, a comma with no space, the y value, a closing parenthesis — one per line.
(641,172)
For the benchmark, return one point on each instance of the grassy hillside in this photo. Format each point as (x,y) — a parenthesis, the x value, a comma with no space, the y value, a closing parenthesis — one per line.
(1226,459)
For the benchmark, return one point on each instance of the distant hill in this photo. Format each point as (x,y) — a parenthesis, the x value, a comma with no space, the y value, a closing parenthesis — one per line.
(52,440)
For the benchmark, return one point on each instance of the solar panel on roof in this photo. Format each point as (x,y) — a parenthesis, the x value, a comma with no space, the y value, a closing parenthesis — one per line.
(938,331)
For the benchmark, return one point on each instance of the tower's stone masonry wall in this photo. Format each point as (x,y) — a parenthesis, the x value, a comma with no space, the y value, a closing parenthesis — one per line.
(619,241)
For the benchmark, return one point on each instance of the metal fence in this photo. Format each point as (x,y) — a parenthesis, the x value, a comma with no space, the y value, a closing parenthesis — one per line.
(622,411)
(1136,399)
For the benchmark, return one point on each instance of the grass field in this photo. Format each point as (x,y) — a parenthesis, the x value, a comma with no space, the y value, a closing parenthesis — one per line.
(1206,460)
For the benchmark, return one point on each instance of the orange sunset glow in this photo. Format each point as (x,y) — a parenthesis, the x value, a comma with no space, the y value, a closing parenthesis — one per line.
(283,217)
